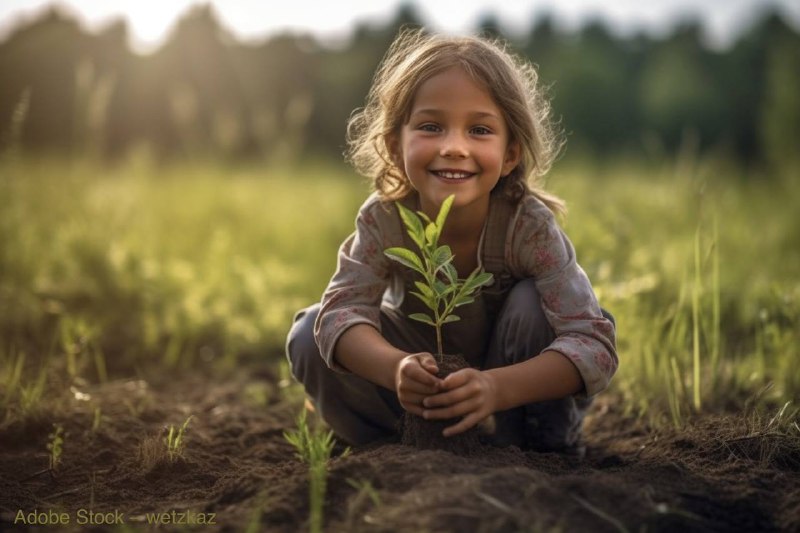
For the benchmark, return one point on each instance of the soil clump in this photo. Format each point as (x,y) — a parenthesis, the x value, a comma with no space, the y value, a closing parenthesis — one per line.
(427,434)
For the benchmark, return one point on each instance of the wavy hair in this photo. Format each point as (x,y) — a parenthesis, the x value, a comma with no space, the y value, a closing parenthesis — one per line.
(415,57)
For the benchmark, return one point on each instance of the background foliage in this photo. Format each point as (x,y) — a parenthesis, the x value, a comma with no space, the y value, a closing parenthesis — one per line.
(206,92)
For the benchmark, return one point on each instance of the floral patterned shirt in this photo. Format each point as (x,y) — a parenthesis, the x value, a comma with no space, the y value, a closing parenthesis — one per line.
(535,247)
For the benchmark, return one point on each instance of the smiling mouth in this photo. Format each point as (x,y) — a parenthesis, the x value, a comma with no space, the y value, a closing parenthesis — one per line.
(454,175)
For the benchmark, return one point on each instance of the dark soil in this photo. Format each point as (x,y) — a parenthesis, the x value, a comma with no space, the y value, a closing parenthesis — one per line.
(721,473)
(427,434)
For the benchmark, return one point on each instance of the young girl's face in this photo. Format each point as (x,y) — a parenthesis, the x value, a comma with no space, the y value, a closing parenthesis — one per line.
(455,141)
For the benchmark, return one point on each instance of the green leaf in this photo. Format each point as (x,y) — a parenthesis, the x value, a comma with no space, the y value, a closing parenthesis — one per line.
(439,288)
(427,300)
(424,217)
(451,318)
(451,273)
(444,211)
(464,300)
(442,255)
(405,257)
(422,317)
(475,280)
(424,289)
(432,234)
(450,289)
(413,225)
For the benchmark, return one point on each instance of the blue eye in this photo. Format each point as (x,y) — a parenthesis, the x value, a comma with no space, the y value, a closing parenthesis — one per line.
(429,127)
(481,130)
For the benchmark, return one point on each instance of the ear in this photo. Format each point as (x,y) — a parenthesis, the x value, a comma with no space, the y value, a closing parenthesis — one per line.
(512,158)
(393,145)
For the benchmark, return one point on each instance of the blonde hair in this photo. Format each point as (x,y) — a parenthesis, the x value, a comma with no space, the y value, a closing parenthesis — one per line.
(413,58)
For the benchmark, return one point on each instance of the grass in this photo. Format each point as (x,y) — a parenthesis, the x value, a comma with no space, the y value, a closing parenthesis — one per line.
(174,441)
(695,266)
(314,448)
(108,271)
(55,446)
(157,449)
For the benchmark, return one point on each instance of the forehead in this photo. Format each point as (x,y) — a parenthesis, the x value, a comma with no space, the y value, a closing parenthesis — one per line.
(453,89)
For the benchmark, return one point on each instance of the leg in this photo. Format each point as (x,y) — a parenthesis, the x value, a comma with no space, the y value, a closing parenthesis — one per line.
(521,332)
(357,410)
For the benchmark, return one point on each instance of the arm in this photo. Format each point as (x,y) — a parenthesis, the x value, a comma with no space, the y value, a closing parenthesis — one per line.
(363,351)
(583,357)
(548,376)
(347,330)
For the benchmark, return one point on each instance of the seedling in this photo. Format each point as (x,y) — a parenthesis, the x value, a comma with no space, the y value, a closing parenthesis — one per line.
(98,417)
(440,289)
(315,450)
(54,446)
(174,441)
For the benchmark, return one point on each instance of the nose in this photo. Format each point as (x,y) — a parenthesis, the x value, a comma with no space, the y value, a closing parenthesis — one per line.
(454,146)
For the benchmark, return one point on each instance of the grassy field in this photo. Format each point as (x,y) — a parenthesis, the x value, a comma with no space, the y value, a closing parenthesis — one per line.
(111,270)
(115,276)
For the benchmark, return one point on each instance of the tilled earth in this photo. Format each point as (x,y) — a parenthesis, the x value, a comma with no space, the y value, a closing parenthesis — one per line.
(721,473)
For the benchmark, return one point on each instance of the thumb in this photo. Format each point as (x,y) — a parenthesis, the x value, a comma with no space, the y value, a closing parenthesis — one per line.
(428,363)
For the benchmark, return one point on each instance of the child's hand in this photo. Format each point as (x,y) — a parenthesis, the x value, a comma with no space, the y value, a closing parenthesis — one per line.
(469,393)
(415,379)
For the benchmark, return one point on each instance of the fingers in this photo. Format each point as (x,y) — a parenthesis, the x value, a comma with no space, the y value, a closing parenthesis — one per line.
(466,423)
(449,398)
(468,394)
(417,374)
(411,401)
(458,378)
(459,385)
(417,381)
(462,408)
(420,379)
(428,362)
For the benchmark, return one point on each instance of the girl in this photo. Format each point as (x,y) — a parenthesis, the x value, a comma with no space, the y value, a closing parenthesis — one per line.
(457,115)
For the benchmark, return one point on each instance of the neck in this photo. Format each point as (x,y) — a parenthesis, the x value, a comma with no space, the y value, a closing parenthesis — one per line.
(465,223)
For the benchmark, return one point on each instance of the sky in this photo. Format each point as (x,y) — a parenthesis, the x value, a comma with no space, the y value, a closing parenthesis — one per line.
(150,20)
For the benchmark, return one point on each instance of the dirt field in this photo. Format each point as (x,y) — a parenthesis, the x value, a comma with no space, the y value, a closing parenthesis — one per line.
(723,473)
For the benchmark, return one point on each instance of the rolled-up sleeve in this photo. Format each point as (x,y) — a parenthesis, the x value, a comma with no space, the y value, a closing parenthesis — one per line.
(354,294)
(541,250)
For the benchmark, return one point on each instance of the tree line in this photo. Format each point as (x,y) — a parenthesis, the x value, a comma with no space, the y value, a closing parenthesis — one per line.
(205,92)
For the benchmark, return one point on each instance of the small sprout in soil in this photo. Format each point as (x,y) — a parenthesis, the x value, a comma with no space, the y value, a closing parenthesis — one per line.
(55,445)
(96,420)
(441,290)
(174,441)
(313,448)
(365,489)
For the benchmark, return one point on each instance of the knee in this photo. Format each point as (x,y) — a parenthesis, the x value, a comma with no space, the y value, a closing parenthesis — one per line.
(608,316)
(523,306)
(521,330)
(301,347)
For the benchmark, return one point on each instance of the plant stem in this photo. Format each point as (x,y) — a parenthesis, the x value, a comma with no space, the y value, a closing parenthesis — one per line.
(696,323)
(439,348)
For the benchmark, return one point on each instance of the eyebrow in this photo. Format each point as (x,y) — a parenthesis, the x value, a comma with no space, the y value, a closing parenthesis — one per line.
(474,114)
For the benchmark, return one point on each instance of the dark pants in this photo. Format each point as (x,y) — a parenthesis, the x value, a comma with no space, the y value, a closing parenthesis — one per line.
(360,412)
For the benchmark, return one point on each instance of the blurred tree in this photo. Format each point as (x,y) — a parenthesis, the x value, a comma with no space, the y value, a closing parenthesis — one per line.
(679,92)
(345,77)
(542,40)
(592,88)
(42,59)
(489,26)
(779,124)
(205,92)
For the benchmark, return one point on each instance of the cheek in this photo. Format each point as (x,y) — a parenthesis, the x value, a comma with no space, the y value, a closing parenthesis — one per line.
(493,157)
(416,150)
